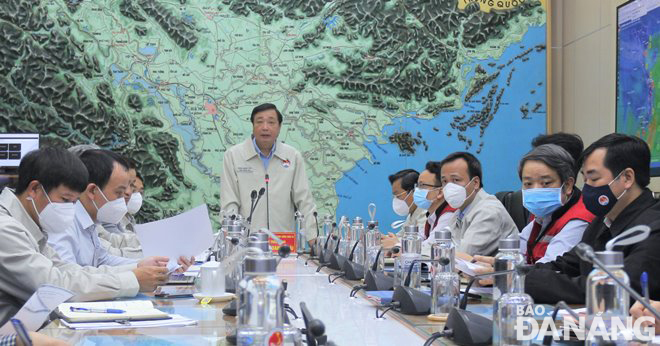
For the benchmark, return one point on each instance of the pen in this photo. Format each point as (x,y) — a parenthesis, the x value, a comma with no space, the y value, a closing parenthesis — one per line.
(98,311)
(21,332)
(644,280)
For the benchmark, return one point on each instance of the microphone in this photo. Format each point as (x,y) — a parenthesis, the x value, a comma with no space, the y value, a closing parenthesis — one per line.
(586,253)
(412,301)
(267,179)
(314,328)
(253,198)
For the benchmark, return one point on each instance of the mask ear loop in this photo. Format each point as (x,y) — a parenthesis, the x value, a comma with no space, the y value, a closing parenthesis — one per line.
(613,180)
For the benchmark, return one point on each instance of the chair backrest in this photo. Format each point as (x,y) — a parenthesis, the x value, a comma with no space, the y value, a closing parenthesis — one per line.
(512,201)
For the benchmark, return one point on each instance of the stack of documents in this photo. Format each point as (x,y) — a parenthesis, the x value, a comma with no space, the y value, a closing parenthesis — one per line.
(133,310)
(117,314)
(174,321)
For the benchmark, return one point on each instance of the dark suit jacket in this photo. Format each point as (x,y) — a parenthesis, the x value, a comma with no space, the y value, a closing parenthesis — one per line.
(565,278)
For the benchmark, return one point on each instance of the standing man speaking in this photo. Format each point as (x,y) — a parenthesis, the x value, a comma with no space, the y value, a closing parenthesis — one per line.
(264,162)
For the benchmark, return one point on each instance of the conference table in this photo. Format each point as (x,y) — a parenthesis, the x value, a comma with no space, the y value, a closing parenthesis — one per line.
(348,321)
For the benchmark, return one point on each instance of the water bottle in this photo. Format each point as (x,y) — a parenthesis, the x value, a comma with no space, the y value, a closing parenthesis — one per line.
(443,247)
(513,306)
(326,228)
(261,305)
(411,249)
(372,238)
(344,242)
(302,246)
(356,236)
(606,299)
(234,242)
(507,258)
(445,292)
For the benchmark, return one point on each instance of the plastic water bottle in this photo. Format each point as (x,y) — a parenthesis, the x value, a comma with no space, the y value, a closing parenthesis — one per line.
(411,250)
(607,300)
(508,258)
(372,237)
(261,305)
(513,306)
(356,236)
(443,247)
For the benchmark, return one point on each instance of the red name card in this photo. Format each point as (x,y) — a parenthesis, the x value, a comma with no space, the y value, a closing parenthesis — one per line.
(288,238)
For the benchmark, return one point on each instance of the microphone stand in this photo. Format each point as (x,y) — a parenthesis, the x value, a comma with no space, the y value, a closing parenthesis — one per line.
(267,178)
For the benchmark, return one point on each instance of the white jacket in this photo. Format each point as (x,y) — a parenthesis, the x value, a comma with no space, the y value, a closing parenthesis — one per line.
(27,261)
(243,171)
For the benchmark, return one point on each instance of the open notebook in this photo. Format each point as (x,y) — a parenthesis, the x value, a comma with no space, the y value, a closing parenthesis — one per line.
(134,310)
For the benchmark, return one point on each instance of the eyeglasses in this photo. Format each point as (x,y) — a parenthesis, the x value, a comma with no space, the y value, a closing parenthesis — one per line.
(427,186)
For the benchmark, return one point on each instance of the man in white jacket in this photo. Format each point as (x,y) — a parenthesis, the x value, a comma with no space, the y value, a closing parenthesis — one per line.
(246,166)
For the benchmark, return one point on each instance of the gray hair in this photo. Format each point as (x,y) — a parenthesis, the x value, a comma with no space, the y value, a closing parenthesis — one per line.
(553,156)
(81,148)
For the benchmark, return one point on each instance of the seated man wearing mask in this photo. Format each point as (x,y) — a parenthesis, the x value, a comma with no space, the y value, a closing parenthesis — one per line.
(403,186)
(49,183)
(549,193)
(428,193)
(481,220)
(616,172)
(114,237)
(102,201)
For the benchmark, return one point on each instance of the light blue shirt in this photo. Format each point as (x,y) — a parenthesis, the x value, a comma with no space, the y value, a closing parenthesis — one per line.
(265,159)
(80,243)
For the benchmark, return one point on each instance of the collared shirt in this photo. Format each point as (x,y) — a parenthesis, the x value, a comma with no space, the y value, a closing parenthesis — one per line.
(8,340)
(265,159)
(80,243)
(561,243)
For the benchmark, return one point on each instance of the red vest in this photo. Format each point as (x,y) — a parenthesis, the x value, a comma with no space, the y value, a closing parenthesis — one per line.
(576,212)
(444,208)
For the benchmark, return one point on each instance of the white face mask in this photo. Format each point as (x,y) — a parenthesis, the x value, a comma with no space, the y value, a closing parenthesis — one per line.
(400,206)
(134,203)
(56,217)
(112,211)
(455,194)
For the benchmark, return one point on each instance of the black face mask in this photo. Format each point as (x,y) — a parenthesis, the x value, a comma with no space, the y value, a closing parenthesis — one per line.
(600,200)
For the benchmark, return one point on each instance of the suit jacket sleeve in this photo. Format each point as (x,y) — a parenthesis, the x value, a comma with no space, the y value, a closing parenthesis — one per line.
(558,280)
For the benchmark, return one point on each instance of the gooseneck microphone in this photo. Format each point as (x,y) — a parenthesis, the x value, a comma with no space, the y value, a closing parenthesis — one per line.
(586,253)
(267,179)
(253,198)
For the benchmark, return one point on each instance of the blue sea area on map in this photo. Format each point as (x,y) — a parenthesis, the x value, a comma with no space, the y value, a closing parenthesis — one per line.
(506,138)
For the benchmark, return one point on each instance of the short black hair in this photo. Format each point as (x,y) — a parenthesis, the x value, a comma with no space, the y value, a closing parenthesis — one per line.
(408,179)
(100,164)
(474,166)
(52,167)
(624,151)
(571,142)
(434,167)
(265,107)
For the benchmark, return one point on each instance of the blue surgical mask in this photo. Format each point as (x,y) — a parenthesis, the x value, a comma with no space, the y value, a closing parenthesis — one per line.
(420,198)
(542,201)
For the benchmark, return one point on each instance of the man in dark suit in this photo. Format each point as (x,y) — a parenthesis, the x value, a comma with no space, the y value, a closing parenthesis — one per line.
(616,173)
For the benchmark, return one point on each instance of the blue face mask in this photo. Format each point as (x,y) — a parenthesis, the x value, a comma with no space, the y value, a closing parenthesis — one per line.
(542,201)
(420,198)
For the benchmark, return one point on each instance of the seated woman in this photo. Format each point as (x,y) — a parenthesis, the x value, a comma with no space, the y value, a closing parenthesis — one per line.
(549,193)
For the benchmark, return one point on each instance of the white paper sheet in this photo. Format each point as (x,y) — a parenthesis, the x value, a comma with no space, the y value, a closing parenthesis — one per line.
(186,234)
(35,311)
(466,267)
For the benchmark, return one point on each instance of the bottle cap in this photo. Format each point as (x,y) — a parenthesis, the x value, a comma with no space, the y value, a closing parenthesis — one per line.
(357,220)
(253,241)
(260,265)
(610,258)
(444,234)
(234,228)
(510,244)
(375,223)
(328,218)
(411,229)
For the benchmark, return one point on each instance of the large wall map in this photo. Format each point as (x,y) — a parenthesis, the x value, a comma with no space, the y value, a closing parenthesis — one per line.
(367,87)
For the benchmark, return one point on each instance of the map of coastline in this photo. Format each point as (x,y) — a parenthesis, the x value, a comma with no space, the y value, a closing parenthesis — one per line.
(365,86)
